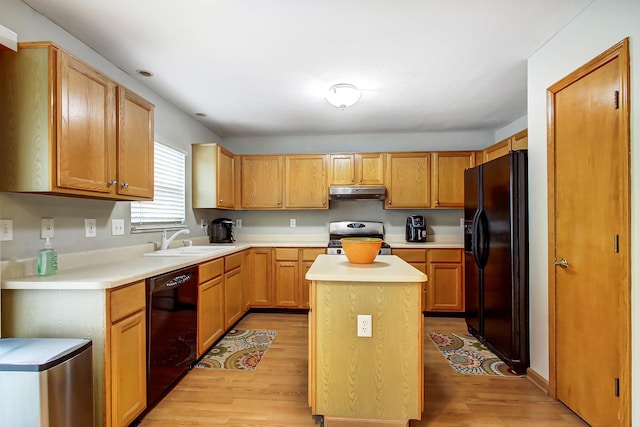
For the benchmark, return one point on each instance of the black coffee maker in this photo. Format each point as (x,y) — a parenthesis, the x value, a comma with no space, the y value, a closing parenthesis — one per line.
(221,231)
(416,230)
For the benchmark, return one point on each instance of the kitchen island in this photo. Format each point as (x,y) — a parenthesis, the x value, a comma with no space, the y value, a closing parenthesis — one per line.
(362,380)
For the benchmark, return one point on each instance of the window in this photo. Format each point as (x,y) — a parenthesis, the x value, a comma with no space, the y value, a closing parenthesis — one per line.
(168,207)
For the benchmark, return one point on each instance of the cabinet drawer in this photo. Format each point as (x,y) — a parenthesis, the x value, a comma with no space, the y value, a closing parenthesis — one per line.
(286,254)
(411,255)
(127,300)
(445,255)
(310,254)
(210,269)
(232,261)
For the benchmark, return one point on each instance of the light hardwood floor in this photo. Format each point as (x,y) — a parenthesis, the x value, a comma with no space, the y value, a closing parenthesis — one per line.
(276,393)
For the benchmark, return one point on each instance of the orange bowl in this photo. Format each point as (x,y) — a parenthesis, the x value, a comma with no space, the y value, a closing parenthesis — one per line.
(361,250)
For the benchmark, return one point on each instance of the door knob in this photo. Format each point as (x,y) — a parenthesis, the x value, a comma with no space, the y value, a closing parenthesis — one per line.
(562,263)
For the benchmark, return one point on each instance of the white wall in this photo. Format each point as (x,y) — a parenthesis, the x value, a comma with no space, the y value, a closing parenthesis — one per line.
(511,129)
(426,141)
(178,129)
(600,26)
(172,127)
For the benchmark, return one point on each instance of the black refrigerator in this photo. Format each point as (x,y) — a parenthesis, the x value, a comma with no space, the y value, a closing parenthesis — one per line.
(496,257)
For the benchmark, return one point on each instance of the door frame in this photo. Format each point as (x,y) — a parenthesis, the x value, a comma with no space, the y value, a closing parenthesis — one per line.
(620,51)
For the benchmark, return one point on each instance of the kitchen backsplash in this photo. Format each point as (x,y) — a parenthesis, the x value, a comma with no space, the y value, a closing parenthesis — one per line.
(26,210)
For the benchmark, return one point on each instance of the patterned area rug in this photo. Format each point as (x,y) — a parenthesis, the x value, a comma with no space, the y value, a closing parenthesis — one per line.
(467,355)
(239,349)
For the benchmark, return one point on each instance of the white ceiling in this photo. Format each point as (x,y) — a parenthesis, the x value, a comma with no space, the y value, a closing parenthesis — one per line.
(258,67)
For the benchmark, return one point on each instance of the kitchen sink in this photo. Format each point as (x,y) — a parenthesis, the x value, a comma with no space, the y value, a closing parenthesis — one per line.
(190,250)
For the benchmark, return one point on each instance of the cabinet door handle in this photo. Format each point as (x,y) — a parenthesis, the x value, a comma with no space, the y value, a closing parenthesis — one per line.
(112,182)
(388,202)
(437,202)
(125,185)
(562,262)
(220,201)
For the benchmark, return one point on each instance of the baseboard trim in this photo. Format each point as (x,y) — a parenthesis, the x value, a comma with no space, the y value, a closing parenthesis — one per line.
(538,380)
(359,422)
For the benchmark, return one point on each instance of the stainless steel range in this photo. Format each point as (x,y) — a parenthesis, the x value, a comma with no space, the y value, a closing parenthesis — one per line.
(340,229)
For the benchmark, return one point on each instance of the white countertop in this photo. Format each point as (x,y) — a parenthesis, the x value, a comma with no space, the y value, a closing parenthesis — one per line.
(385,268)
(110,268)
(113,273)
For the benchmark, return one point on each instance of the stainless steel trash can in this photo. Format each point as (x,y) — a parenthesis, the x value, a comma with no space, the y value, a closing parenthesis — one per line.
(46,382)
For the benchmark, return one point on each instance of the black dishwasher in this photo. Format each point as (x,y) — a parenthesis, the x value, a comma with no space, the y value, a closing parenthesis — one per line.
(171,330)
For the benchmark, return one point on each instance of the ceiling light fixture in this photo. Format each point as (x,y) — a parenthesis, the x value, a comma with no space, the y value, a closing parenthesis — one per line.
(343,95)
(144,73)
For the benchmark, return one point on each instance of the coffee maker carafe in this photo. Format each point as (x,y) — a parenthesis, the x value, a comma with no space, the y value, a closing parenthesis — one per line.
(221,231)
(416,230)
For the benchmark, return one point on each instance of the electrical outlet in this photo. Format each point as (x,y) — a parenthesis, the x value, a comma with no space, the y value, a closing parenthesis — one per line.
(6,230)
(46,228)
(462,222)
(89,228)
(203,223)
(117,227)
(292,222)
(238,222)
(364,325)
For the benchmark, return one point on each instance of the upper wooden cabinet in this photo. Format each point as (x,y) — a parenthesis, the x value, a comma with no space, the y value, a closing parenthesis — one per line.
(519,141)
(262,181)
(408,180)
(306,181)
(356,169)
(68,129)
(447,178)
(213,177)
(135,146)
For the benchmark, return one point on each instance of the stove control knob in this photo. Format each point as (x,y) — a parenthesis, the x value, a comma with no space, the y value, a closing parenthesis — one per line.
(339,251)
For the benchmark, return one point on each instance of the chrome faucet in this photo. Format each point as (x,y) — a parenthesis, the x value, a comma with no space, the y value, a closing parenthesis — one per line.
(164,243)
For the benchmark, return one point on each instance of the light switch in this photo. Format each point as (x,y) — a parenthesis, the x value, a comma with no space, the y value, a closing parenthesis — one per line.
(46,228)
(117,227)
(89,228)
(6,230)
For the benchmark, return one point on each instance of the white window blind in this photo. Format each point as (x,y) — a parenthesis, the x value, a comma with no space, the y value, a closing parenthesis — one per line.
(167,210)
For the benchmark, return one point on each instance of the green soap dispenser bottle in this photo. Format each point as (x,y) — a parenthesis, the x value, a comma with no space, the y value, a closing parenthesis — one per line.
(47,260)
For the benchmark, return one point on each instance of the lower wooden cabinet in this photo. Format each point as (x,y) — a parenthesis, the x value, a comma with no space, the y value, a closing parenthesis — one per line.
(444,289)
(262,277)
(309,255)
(446,284)
(287,292)
(248,270)
(291,289)
(210,304)
(418,259)
(233,292)
(126,357)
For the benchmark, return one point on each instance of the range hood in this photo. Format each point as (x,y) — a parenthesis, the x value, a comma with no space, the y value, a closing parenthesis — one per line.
(369,192)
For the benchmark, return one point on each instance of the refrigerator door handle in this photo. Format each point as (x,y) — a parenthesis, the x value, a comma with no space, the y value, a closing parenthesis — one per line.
(483,239)
(475,236)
